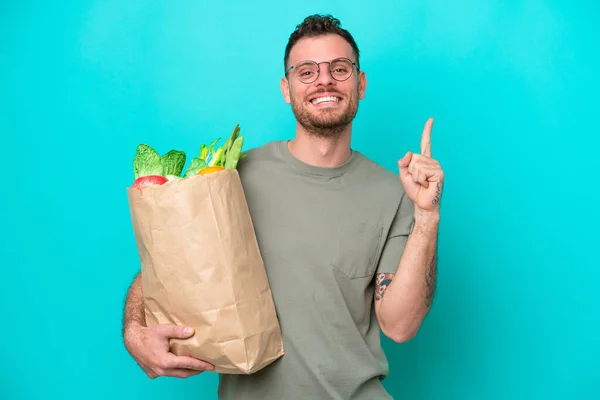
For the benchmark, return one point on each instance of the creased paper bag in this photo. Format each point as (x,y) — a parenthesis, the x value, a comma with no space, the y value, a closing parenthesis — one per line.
(201,266)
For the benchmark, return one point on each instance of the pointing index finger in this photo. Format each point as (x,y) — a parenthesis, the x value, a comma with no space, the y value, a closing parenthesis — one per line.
(426,138)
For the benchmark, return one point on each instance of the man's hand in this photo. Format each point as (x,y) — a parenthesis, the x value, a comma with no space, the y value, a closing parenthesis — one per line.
(422,176)
(150,348)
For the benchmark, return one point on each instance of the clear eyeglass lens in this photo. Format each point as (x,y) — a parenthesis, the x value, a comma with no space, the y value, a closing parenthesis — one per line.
(309,71)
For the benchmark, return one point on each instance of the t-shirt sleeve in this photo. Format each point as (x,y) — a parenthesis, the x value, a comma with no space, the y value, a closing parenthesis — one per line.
(397,237)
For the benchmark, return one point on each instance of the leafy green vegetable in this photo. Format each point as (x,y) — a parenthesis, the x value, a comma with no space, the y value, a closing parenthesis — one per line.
(196,165)
(173,162)
(211,150)
(216,158)
(229,143)
(235,134)
(210,146)
(224,156)
(146,162)
(204,152)
(225,148)
(233,155)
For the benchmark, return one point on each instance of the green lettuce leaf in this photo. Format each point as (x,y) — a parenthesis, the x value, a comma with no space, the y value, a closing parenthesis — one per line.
(146,162)
(196,165)
(173,162)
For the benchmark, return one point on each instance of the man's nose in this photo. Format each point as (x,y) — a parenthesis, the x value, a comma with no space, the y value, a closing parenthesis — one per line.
(325,77)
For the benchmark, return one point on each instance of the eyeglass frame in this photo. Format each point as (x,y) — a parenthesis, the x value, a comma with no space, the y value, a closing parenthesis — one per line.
(328,69)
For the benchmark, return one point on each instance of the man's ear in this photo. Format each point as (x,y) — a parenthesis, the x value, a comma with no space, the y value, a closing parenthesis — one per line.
(362,85)
(285,90)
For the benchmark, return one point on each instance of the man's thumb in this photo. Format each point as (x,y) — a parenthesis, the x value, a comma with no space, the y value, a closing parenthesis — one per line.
(405,161)
(175,331)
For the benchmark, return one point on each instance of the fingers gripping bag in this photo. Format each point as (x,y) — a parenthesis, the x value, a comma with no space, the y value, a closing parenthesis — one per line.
(200,261)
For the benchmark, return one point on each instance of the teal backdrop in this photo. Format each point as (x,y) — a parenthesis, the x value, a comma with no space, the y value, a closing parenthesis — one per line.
(513,87)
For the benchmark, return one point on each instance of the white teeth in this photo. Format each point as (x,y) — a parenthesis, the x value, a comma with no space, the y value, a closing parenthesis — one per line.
(324,99)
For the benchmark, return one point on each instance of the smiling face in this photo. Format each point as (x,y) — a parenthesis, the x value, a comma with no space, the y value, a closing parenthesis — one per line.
(326,106)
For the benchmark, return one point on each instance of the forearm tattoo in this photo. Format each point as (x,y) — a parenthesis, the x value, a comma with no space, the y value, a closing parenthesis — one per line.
(438,193)
(381,284)
(430,279)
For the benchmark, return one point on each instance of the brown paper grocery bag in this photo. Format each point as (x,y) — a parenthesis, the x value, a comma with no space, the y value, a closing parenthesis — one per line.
(201,267)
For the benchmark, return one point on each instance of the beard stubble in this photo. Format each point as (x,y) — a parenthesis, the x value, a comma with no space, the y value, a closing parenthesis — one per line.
(325,123)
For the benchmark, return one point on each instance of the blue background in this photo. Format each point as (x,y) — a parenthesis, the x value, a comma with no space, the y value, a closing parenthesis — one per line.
(512,86)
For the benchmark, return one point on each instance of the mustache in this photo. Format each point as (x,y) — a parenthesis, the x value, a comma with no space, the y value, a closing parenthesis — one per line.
(326,90)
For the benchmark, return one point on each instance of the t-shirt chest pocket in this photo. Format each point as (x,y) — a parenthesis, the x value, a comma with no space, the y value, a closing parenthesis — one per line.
(357,248)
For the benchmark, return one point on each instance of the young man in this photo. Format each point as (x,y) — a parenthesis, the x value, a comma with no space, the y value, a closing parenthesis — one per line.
(349,248)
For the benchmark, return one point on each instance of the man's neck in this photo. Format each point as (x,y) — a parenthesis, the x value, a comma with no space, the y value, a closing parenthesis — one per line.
(321,151)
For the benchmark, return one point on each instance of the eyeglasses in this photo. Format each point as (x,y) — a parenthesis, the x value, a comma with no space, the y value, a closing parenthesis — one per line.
(308,71)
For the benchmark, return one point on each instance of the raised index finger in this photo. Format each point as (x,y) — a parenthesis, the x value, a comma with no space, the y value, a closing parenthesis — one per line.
(426,138)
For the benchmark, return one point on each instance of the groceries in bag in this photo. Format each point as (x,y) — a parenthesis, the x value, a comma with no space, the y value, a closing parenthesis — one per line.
(200,261)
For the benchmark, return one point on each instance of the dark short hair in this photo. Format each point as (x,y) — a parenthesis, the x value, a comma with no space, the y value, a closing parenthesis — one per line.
(317,25)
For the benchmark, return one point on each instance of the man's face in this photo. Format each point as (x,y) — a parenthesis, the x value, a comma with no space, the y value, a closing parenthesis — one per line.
(323,118)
